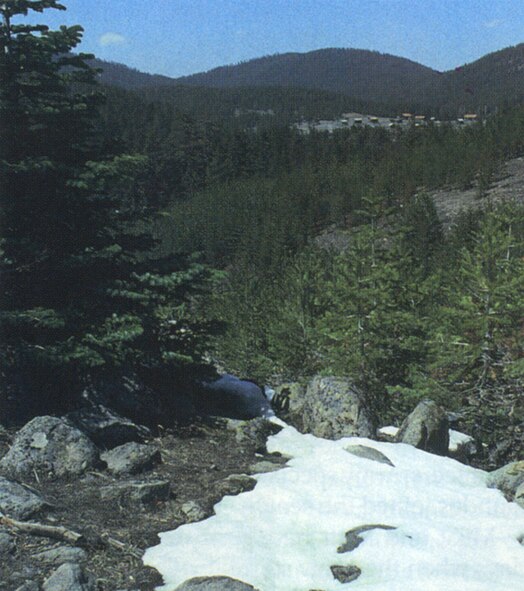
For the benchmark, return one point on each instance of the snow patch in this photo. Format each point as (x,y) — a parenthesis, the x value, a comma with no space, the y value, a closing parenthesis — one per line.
(452,532)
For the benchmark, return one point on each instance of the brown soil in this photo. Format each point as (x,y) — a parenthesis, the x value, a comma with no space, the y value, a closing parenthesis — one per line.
(195,461)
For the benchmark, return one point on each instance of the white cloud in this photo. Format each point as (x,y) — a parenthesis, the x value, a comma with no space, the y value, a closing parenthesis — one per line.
(496,22)
(111,39)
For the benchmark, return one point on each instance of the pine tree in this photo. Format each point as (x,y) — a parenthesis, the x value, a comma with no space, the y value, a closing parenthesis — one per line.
(477,337)
(78,293)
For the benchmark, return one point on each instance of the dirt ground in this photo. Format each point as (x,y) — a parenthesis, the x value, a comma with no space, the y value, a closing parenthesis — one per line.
(195,460)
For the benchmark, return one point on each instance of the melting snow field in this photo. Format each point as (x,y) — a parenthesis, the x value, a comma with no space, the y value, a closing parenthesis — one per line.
(452,532)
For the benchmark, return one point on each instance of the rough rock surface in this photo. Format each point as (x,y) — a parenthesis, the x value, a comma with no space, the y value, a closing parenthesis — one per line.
(354,539)
(50,446)
(106,428)
(69,577)
(265,466)
(346,574)
(136,492)
(61,555)
(214,584)
(17,501)
(519,495)
(253,432)
(130,397)
(7,544)
(462,447)
(236,484)
(288,403)
(426,428)
(507,479)
(368,453)
(131,458)
(193,511)
(334,408)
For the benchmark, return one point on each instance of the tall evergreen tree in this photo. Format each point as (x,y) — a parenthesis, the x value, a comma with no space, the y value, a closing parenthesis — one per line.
(77,292)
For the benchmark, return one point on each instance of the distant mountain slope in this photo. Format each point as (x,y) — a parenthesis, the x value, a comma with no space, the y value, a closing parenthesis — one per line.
(361,74)
(494,80)
(114,74)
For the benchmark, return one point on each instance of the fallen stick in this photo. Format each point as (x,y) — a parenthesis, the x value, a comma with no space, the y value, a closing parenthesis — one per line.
(47,531)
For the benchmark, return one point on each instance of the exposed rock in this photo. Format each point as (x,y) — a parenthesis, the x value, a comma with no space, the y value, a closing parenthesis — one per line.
(236,484)
(231,397)
(131,458)
(288,402)
(7,544)
(29,586)
(387,434)
(354,539)
(426,428)
(265,466)
(519,495)
(193,511)
(369,453)
(507,479)
(346,574)
(462,447)
(61,555)
(51,447)
(334,408)
(254,432)
(106,428)
(130,397)
(69,577)
(17,501)
(139,492)
(214,584)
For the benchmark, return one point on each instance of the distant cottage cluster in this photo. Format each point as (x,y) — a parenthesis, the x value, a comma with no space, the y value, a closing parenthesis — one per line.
(349,120)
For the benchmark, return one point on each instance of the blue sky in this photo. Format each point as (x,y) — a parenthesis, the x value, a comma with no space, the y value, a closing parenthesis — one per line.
(179,37)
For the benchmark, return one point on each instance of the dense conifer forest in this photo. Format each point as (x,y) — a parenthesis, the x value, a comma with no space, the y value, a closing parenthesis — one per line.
(141,231)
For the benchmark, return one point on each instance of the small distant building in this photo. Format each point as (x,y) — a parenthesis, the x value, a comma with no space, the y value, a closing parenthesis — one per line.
(407,115)
(420,118)
(470,117)
(373,119)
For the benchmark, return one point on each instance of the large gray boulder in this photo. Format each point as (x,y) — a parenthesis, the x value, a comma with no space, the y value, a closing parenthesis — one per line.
(519,495)
(51,447)
(426,428)
(107,429)
(131,458)
(17,501)
(214,584)
(253,433)
(69,577)
(507,479)
(288,403)
(334,408)
(61,555)
(136,492)
(7,544)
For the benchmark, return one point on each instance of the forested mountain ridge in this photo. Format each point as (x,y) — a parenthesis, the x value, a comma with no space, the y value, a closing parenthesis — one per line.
(496,79)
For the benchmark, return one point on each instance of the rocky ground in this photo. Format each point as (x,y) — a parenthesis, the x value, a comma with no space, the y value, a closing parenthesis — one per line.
(508,184)
(195,462)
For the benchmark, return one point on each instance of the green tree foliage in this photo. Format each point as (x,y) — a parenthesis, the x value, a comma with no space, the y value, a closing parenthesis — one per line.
(78,294)
(477,335)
